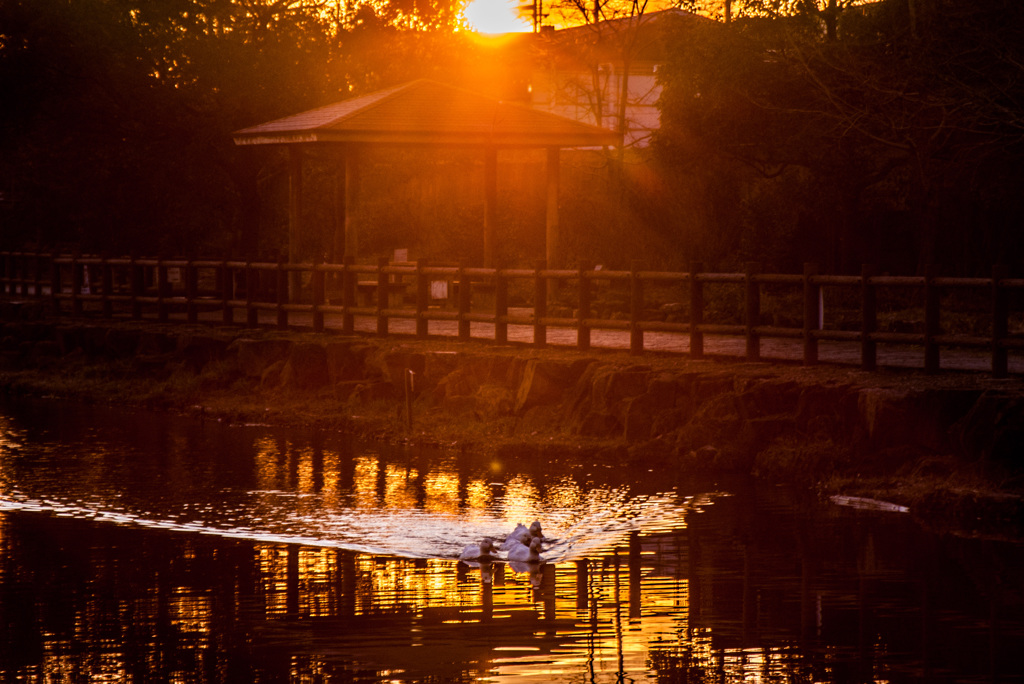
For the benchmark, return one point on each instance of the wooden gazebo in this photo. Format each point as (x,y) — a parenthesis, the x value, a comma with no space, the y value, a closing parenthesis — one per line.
(426,113)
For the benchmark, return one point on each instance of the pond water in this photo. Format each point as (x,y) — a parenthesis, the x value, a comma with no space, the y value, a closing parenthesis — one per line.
(140,547)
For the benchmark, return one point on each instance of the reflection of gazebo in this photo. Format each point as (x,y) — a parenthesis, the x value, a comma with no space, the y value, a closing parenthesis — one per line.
(426,113)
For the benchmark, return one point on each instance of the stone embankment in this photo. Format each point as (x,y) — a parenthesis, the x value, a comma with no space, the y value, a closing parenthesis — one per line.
(787,423)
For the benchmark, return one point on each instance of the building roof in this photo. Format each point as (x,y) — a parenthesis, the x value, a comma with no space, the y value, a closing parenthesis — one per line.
(429,113)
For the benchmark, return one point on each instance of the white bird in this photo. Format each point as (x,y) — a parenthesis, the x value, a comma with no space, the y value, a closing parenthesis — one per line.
(483,550)
(522,535)
(520,553)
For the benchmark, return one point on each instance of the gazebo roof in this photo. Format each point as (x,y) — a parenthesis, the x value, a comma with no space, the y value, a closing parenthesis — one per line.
(428,113)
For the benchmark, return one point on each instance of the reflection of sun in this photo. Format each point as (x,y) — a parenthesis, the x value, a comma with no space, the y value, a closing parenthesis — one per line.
(495,16)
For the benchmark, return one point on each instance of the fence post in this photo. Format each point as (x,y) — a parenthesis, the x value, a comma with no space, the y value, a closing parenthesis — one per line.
(540,304)
(696,311)
(282,293)
(465,302)
(10,273)
(23,272)
(753,311)
(227,292)
(76,284)
(8,281)
(137,277)
(252,314)
(931,321)
(636,309)
(55,284)
(161,290)
(583,313)
(422,299)
(812,314)
(500,306)
(39,275)
(317,285)
(191,291)
(108,286)
(868,319)
(1000,322)
(383,297)
(17,274)
(348,295)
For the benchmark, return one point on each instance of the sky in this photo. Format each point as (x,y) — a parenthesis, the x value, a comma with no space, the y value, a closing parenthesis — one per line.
(496,16)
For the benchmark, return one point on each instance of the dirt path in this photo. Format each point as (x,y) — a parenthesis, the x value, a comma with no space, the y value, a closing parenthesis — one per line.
(771,349)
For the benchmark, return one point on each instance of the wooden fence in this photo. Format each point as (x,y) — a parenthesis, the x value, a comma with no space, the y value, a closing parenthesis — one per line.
(207,290)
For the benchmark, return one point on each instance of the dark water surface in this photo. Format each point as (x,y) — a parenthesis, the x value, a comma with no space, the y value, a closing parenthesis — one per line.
(138,547)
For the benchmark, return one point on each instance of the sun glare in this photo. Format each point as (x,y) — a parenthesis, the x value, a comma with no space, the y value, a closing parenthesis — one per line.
(495,16)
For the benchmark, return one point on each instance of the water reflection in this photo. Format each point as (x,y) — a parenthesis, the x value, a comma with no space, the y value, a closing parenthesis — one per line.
(162,548)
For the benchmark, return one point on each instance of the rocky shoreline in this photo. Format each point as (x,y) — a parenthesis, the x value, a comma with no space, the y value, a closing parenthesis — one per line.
(950,447)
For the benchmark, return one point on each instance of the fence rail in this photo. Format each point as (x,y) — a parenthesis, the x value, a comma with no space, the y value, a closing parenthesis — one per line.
(698,303)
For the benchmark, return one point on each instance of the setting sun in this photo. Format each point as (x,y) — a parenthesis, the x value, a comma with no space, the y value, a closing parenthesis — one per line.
(496,16)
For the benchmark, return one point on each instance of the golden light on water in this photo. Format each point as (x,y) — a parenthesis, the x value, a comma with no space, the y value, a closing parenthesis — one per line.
(442,492)
(521,499)
(364,489)
(268,473)
(478,497)
(400,487)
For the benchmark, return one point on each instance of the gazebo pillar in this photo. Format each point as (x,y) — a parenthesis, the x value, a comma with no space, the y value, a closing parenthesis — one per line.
(351,201)
(490,203)
(294,214)
(553,250)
